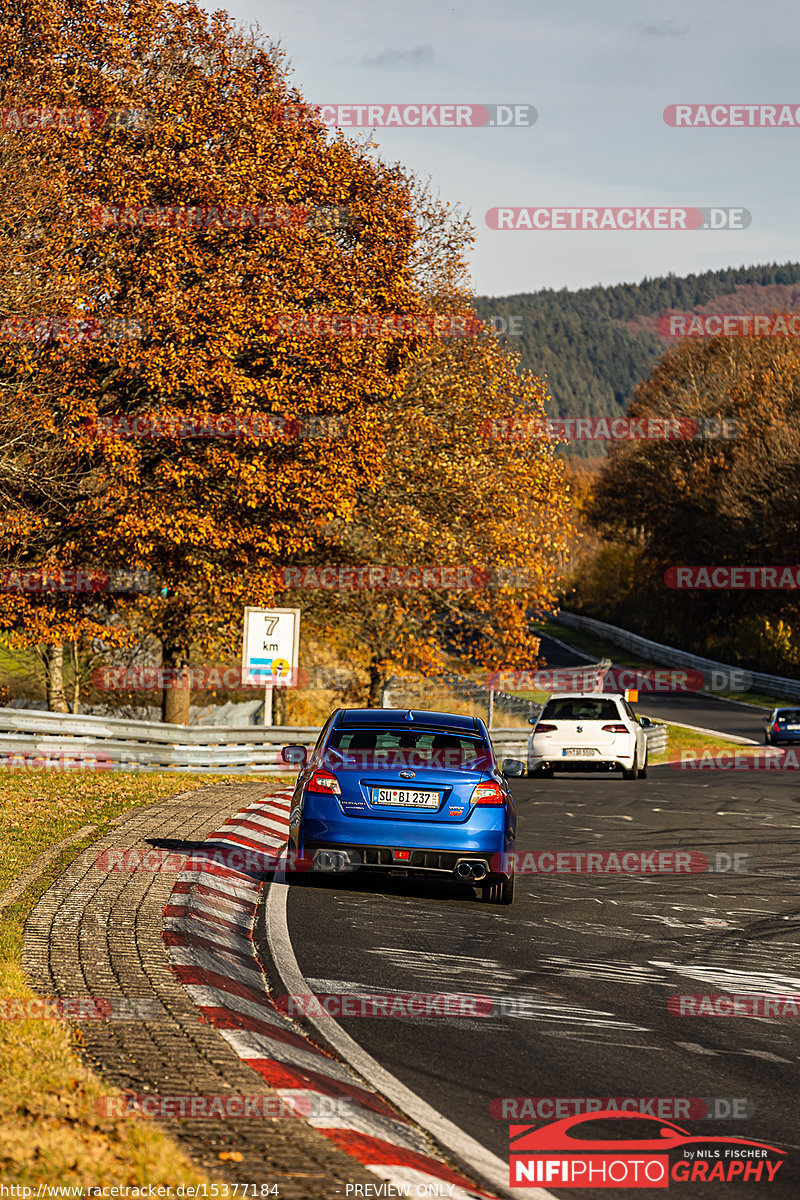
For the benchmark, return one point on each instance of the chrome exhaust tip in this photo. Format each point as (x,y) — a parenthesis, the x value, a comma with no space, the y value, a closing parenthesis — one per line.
(471,869)
(331,861)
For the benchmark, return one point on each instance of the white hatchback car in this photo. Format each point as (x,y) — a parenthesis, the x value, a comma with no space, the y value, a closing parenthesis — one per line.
(588,731)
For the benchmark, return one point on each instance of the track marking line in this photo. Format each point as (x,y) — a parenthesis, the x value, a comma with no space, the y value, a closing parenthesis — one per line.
(480,1160)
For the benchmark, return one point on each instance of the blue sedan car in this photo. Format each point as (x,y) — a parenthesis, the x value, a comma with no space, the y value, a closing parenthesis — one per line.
(404,790)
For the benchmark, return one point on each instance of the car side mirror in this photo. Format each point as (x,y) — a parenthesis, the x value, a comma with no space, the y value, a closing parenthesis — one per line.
(512,767)
(646,723)
(532,720)
(294,755)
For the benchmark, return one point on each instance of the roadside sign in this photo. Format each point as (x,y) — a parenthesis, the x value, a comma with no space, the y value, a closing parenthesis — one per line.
(270,646)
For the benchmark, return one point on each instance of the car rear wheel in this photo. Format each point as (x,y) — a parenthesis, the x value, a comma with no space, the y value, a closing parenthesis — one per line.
(500,892)
(633,772)
(643,768)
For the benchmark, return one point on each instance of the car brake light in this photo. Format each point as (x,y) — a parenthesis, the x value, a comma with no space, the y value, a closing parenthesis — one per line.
(545,729)
(487,793)
(776,727)
(615,728)
(325,782)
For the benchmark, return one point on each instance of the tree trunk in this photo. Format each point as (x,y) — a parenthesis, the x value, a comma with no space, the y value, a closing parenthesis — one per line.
(53,655)
(76,685)
(377,679)
(176,698)
(280,705)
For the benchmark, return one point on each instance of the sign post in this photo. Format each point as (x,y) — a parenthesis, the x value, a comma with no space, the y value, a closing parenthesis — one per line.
(270,650)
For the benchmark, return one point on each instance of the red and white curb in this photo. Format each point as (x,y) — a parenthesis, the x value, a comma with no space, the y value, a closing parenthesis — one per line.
(208,932)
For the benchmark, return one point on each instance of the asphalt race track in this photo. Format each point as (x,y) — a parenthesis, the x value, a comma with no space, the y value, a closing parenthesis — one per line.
(581,968)
(591,961)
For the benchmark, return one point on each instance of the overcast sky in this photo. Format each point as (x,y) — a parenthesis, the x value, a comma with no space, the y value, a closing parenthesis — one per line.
(599,74)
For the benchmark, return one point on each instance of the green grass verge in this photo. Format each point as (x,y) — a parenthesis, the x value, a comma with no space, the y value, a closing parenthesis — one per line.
(51,1131)
(681,740)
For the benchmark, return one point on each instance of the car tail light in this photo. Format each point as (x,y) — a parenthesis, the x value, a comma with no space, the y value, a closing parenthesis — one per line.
(325,782)
(488,793)
(776,727)
(545,729)
(615,728)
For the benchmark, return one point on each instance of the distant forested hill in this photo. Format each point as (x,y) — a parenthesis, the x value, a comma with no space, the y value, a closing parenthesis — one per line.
(596,344)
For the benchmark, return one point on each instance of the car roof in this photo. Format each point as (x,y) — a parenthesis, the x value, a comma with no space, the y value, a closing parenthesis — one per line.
(585,696)
(393,718)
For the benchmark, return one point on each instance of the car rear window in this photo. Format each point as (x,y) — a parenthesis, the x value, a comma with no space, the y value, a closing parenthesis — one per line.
(423,745)
(580,710)
(792,715)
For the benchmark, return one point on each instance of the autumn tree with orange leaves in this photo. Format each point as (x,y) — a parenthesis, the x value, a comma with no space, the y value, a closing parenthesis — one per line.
(208,516)
(211,517)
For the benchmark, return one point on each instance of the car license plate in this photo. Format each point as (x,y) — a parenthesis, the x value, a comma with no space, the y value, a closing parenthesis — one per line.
(406,797)
(578,752)
(793,726)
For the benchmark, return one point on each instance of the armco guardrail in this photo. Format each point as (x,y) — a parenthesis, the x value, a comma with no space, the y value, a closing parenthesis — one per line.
(717,673)
(34,739)
(657,739)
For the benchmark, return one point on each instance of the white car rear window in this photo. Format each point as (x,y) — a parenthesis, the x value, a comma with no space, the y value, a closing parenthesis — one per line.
(580,710)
